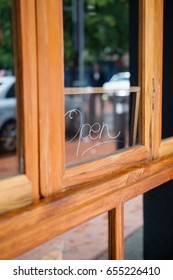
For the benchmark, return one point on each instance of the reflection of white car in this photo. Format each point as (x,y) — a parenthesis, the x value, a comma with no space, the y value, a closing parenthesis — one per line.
(7,114)
(119,84)
(118,90)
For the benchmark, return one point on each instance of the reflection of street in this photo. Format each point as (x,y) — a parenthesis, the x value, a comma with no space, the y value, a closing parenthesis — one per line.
(8,165)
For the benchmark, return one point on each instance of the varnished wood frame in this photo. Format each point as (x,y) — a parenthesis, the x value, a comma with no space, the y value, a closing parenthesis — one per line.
(166,147)
(21,190)
(53,174)
(31,226)
(160,147)
(27,53)
(51,96)
(24,229)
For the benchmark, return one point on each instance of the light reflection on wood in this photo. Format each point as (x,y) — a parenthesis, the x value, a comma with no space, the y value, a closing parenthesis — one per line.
(96,90)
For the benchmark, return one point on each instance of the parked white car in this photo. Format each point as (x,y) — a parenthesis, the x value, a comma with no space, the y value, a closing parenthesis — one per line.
(119,84)
(7,114)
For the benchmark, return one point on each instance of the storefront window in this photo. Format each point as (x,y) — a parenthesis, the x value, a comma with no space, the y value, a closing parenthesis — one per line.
(101,109)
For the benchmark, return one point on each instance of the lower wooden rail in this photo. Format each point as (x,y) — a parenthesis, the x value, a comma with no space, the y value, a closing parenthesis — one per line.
(24,229)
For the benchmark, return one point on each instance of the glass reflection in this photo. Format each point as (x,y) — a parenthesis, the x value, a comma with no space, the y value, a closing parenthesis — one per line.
(101,109)
(95,131)
(88,241)
(8,158)
(133,229)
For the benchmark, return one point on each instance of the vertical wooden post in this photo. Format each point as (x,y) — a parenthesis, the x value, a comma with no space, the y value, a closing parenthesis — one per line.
(146,54)
(25,17)
(116,232)
(157,77)
(51,95)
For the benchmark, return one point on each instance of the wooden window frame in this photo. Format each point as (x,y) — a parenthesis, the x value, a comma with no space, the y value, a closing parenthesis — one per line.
(50,77)
(84,192)
(24,189)
(150,82)
(166,147)
(160,147)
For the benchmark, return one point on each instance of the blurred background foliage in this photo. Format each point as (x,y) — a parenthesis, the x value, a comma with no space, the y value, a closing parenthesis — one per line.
(6,45)
(106,28)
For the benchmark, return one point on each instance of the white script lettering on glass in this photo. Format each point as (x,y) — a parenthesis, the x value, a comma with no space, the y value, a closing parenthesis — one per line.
(87,131)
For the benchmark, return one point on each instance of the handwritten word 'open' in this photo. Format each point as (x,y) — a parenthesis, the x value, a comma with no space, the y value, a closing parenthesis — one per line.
(88,131)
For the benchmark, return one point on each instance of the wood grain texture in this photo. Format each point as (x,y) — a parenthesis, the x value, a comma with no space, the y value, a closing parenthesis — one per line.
(21,190)
(116,232)
(157,78)
(90,189)
(92,90)
(87,172)
(51,95)
(23,230)
(166,147)
(146,50)
(26,18)
(16,192)
(134,118)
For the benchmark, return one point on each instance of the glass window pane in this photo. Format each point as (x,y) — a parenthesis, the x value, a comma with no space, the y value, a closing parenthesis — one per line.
(133,222)
(8,155)
(88,241)
(101,109)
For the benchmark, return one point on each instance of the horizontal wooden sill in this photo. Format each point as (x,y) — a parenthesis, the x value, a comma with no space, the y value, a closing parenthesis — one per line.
(24,229)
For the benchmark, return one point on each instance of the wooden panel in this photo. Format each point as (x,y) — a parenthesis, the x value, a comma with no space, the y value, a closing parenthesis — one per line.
(51,95)
(27,65)
(85,173)
(146,49)
(157,77)
(151,38)
(166,147)
(134,118)
(16,192)
(92,90)
(116,233)
(19,191)
(54,216)
(55,225)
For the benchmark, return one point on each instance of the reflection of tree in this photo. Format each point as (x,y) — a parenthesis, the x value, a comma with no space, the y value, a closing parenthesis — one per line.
(6,48)
(106,29)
